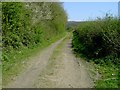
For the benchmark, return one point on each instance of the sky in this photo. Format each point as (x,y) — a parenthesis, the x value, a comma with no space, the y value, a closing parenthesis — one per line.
(88,0)
(82,11)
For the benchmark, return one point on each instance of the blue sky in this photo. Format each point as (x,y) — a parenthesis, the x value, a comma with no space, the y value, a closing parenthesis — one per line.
(80,11)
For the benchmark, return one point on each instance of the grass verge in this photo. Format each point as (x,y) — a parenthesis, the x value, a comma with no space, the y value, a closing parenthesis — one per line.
(104,74)
(109,76)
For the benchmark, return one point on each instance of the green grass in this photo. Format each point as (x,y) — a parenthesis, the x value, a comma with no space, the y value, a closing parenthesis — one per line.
(18,59)
(58,50)
(109,76)
(104,75)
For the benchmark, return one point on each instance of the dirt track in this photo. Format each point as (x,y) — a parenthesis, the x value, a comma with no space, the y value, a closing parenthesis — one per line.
(45,70)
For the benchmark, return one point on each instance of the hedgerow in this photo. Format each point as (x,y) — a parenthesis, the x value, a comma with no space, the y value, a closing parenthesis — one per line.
(99,42)
(98,39)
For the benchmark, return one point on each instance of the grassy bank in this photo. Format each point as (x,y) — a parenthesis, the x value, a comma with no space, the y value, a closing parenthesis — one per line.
(99,42)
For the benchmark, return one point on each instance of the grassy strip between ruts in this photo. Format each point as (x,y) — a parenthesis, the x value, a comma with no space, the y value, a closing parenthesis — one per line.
(20,58)
(49,70)
(57,51)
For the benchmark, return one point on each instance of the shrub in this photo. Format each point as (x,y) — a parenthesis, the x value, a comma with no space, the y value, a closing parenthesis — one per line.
(27,24)
(98,39)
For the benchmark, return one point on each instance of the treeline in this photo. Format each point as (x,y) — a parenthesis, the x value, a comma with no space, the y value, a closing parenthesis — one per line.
(99,42)
(28,24)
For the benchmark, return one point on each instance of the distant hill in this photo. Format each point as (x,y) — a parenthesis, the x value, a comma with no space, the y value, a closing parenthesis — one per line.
(71,25)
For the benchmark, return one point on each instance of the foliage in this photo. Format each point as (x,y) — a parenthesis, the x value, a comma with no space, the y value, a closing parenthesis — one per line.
(26,24)
(109,75)
(98,39)
(99,42)
(26,27)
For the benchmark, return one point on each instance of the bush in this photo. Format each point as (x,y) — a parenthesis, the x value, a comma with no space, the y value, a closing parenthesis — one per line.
(98,39)
(26,24)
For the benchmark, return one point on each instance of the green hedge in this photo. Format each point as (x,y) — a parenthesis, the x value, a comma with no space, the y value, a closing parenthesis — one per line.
(98,39)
